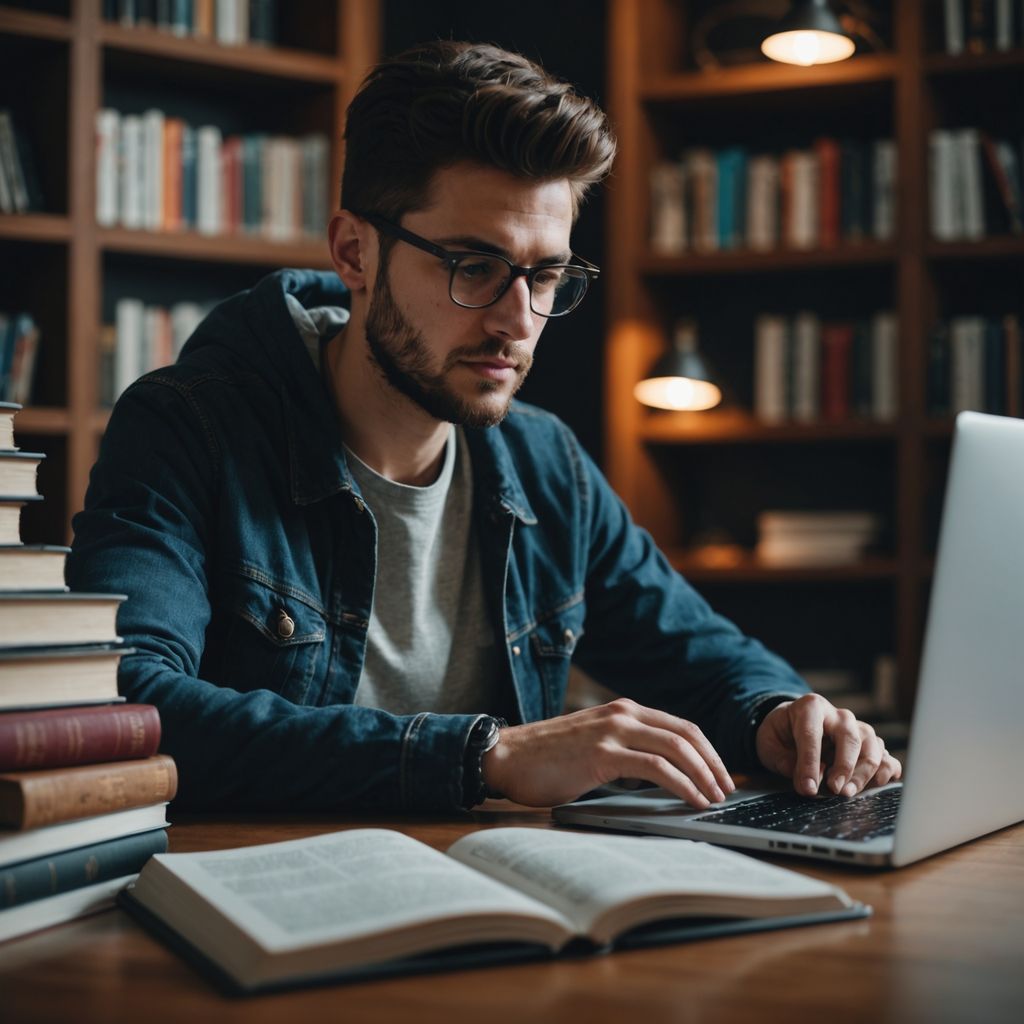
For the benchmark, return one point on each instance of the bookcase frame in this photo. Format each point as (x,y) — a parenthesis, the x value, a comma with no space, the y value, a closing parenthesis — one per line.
(647,41)
(74,428)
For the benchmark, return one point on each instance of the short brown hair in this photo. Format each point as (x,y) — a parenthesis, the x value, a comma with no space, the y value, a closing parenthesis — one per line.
(442,103)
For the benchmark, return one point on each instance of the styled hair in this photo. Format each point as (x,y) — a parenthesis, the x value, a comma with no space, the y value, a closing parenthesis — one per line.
(443,103)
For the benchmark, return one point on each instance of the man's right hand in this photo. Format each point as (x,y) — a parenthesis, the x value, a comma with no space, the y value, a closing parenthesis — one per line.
(542,764)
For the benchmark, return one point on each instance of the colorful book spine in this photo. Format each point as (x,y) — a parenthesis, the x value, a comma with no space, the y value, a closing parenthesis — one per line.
(47,876)
(35,798)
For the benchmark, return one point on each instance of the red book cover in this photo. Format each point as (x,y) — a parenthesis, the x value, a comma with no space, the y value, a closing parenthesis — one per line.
(61,737)
(828,192)
(173,128)
(232,184)
(836,349)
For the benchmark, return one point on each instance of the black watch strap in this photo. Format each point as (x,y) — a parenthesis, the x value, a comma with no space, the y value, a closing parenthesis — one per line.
(482,737)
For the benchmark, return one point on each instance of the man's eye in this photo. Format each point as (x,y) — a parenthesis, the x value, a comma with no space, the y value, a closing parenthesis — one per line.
(477,270)
(548,280)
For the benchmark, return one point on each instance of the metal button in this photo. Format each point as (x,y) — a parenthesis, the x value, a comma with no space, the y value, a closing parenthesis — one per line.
(569,636)
(285,625)
(516,651)
(360,504)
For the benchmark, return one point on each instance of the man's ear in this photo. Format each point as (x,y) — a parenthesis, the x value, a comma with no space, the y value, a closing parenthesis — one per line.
(353,249)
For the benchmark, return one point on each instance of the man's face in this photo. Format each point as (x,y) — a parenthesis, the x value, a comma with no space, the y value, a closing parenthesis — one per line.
(464,365)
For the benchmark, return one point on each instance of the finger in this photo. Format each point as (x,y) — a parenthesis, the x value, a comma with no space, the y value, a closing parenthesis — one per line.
(888,771)
(694,737)
(871,753)
(654,768)
(681,754)
(807,718)
(847,739)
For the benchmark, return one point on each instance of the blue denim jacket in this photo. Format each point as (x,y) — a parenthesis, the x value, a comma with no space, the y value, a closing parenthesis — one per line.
(222,502)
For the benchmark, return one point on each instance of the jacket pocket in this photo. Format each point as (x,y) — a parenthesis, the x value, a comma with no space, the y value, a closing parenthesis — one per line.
(273,641)
(552,644)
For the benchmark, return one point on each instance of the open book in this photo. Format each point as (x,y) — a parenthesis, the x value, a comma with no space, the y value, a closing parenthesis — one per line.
(368,902)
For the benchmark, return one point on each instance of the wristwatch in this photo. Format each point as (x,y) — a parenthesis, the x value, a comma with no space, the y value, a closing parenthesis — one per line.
(483,736)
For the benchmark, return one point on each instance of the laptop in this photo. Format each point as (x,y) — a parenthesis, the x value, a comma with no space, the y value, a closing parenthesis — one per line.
(962,772)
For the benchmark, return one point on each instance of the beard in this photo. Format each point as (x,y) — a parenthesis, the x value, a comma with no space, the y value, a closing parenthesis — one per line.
(403,359)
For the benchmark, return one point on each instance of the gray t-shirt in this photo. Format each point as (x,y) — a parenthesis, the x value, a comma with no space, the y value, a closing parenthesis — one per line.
(430,645)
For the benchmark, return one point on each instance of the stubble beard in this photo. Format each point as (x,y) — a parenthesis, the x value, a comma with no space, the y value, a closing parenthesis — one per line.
(401,356)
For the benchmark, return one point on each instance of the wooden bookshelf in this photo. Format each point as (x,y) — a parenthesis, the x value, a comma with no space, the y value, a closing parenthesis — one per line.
(68,268)
(682,473)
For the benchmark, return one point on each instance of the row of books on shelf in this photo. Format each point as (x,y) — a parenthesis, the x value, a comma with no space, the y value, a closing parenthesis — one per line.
(142,338)
(834,192)
(83,791)
(808,370)
(975,362)
(19,352)
(158,172)
(976,185)
(230,22)
(20,190)
(982,26)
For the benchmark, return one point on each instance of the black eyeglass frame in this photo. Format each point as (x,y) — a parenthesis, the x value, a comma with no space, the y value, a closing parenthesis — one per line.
(452,257)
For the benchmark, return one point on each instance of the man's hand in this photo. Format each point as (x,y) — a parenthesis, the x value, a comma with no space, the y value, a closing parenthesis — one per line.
(552,762)
(800,738)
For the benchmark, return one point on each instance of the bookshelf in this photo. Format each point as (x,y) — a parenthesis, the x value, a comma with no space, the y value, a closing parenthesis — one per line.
(64,269)
(683,474)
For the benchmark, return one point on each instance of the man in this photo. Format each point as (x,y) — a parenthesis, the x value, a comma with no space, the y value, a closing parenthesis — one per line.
(350,556)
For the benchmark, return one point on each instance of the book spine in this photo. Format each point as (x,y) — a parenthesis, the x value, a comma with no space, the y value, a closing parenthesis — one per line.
(806,367)
(884,366)
(668,220)
(970,180)
(770,368)
(945,208)
(884,170)
(828,192)
(108,128)
(1014,377)
(836,346)
(73,869)
(954,25)
(995,367)
(37,798)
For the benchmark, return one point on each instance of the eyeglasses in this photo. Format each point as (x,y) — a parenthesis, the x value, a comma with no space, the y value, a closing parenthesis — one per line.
(479,279)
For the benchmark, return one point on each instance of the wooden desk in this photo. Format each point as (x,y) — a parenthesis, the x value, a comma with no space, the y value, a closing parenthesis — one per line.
(946,944)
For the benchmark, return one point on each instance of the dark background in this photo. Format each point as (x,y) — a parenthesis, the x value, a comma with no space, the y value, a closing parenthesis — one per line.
(568,39)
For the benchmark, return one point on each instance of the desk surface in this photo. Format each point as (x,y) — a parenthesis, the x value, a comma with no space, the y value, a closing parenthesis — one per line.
(946,944)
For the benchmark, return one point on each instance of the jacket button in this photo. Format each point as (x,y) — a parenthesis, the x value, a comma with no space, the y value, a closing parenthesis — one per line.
(516,651)
(285,625)
(360,504)
(569,635)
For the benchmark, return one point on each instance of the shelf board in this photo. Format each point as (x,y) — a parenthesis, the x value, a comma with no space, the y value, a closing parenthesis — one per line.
(697,428)
(216,248)
(37,26)
(967,63)
(745,261)
(36,419)
(750,570)
(1000,247)
(297,65)
(35,227)
(756,79)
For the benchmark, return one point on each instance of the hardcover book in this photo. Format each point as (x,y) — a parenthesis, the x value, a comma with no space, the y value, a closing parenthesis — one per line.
(41,618)
(32,567)
(371,902)
(40,677)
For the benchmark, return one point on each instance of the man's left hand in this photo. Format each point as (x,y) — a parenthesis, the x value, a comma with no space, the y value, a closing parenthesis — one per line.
(810,741)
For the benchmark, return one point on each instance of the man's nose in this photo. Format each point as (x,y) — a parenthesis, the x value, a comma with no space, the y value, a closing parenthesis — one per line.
(511,317)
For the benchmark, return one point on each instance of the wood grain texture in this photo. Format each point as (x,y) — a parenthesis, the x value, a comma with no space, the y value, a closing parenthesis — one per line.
(944,945)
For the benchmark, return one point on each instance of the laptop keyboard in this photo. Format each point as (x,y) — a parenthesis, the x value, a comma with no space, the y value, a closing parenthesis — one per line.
(835,817)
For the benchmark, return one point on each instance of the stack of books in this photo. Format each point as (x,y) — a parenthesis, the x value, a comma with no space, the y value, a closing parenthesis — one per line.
(796,539)
(82,790)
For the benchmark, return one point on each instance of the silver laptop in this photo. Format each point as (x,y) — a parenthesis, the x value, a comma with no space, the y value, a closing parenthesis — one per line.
(962,775)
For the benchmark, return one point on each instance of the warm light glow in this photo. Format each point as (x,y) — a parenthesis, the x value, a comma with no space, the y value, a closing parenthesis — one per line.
(677,393)
(807,48)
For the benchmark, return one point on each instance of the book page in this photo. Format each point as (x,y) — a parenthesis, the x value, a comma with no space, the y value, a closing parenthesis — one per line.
(584,875)
(339,886)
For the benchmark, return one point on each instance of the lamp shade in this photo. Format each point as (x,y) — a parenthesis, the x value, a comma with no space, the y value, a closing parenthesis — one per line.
(680,379)
(809,34)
